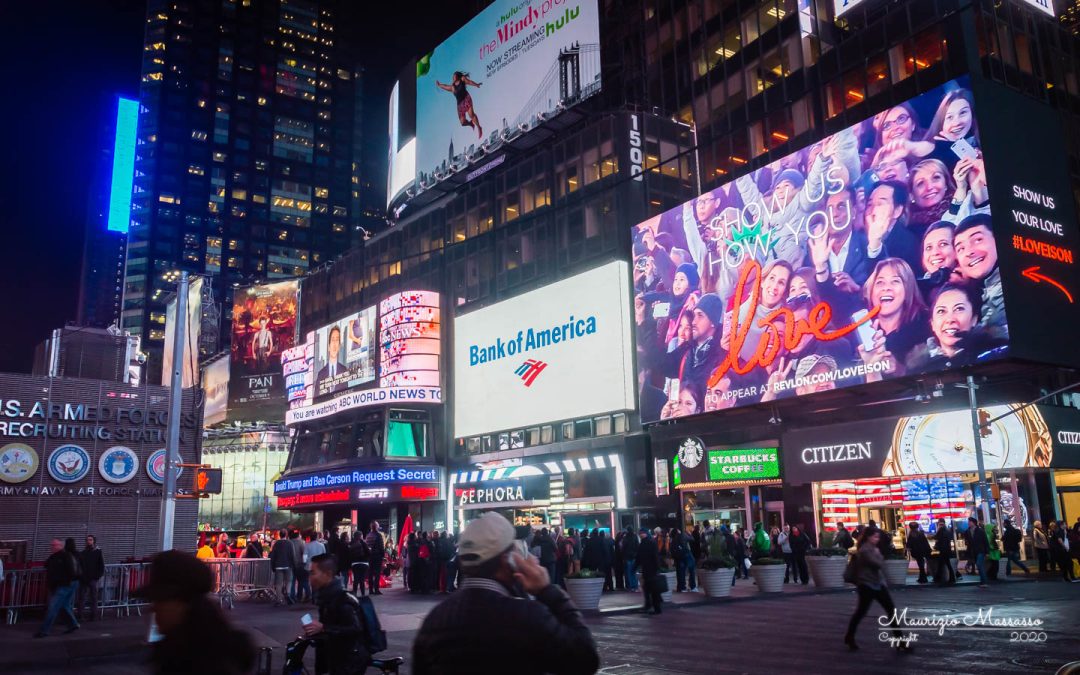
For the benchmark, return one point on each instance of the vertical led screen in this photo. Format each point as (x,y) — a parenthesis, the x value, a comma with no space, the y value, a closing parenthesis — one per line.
(345,353)
(515,60)
(867,256)
(409,334)
(263,325)
(123,167)
(215,385)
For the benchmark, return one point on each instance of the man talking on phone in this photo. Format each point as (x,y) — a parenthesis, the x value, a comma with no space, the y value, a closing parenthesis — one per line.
(491,625)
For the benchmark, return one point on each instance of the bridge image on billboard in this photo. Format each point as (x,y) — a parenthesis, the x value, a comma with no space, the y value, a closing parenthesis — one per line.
(489,81)
(867,256)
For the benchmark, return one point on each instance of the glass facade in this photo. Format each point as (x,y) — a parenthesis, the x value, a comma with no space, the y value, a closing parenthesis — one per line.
(248,155)
(249,464)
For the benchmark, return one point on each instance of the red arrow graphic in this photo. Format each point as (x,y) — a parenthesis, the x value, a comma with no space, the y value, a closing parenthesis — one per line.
(1033,274)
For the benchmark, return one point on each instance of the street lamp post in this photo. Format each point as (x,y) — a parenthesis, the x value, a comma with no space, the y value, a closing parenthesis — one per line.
(176,396)
(980,465)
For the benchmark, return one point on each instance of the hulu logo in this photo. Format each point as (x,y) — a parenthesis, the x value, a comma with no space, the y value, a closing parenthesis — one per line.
(568,16)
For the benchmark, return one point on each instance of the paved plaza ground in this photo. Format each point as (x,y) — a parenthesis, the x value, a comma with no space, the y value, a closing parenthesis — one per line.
(798,631)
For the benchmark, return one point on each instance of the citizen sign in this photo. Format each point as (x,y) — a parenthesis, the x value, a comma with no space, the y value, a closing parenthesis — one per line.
(1069,437)
(844,452)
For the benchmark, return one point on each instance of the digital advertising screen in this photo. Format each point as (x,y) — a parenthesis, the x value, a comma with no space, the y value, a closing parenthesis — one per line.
(559,352)
(345,353)
(868,256)
(215,384)
(190,370)
(498,72)
(409,335)
(263,325)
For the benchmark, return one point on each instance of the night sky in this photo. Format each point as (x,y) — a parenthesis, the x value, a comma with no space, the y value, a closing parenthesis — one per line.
(63,59)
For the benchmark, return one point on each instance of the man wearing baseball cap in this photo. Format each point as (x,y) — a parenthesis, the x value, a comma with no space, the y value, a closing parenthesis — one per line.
(490,625)
(197,639)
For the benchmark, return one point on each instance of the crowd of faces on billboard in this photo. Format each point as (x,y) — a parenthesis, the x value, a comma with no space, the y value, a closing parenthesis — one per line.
(869,255)
(409,336)
(498,72)
(345,353)
(263,325)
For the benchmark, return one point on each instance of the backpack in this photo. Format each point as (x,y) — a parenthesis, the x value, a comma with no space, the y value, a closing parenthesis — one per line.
(374,636)
(851,569)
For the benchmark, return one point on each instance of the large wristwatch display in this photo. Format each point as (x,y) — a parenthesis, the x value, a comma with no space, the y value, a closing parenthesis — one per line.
(945,442)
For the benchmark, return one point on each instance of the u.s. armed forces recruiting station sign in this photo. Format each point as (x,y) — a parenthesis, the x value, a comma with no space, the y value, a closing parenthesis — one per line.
(80,421)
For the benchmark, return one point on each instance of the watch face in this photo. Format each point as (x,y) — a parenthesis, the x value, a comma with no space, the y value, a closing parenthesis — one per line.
(944,443)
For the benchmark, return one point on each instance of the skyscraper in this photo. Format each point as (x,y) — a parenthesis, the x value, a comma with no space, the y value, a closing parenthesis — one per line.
(248,155)
(108,213)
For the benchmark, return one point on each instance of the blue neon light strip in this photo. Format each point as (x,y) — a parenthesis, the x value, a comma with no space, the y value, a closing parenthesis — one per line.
(123,168)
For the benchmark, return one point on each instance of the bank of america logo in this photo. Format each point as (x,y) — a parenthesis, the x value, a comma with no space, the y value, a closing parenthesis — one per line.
(529,370)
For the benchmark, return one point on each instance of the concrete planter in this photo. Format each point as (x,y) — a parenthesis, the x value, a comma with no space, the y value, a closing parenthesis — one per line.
(666,597)
(585,592)
(896,572)
(716,583)
(769,578)
(827,571)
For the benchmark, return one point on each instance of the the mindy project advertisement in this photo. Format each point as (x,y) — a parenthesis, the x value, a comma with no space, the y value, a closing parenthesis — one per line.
(867,256)
(264,324)
(500,71)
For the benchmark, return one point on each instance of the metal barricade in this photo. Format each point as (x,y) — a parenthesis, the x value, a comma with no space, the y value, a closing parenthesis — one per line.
(23,589)
(240,577)
(233,579)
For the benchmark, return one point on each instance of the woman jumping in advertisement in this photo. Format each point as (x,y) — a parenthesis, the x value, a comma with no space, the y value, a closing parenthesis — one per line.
(465,111)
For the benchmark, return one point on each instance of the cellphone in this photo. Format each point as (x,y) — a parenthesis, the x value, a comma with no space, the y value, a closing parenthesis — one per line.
(660,310)
(865,331)
(964,150)
(673,393)
(306,619)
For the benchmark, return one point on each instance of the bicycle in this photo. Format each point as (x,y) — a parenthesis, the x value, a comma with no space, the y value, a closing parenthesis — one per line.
(294,659)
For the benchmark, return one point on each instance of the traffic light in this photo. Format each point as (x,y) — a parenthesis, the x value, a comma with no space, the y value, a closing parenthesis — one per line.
(208,481)
(984,423)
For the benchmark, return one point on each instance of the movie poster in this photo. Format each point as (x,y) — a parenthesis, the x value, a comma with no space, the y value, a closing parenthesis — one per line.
(264,324)
(867,256)
(345,353)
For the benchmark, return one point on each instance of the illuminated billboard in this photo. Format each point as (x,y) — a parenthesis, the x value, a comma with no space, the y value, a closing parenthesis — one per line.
(345,353)
(409,335)
(215,385)
(515,63)
(123,164)
(263,325)
(867,256)
(190,369)
(556,353)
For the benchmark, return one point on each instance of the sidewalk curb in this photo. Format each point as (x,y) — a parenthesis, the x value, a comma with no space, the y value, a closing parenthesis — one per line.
(705,600)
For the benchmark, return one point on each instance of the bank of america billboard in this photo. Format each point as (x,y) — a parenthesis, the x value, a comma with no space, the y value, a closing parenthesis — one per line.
(556,353)
(498,73)
(867,256)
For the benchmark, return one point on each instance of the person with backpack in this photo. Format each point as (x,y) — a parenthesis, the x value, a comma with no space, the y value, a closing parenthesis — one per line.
(1011,541)
(978,548)
(943,544)
(357,560)
(376,550)
(339,634)
(283,562)
(842,539)
(684,561)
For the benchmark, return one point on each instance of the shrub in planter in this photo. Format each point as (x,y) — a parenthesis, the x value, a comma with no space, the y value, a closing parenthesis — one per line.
(715,576)
(769,574)
(896,568)
(827,566)
(669,574)
(585,588)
